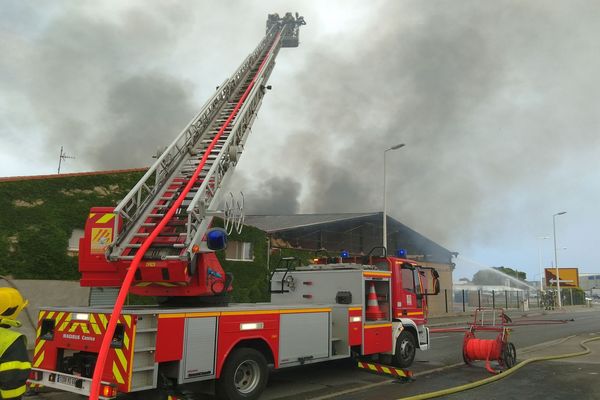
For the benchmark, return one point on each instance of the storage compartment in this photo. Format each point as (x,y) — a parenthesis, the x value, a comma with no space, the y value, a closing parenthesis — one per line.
(303,337)
(199,349)
(377,339)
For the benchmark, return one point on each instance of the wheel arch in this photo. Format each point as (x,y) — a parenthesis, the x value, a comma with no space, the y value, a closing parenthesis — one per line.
(405,325)
(257,343)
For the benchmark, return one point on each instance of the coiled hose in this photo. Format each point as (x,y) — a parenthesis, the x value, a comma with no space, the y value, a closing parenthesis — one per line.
(472,385)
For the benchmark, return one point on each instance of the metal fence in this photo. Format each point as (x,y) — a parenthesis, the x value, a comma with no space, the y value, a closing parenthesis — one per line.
(462,300)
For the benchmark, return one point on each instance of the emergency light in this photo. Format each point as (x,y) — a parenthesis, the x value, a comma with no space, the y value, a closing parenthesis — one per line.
(216,239)
(345,254)
(401,253)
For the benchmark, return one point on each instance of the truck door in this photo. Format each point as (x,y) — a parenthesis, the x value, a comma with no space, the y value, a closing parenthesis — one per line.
(408,293)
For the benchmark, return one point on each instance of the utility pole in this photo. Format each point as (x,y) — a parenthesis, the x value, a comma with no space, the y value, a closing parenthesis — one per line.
(556,257)
(63,156)
(395,147)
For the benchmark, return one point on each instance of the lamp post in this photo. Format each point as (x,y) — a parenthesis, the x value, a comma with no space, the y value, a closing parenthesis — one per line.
(541,238)
(556,257)
(396,147)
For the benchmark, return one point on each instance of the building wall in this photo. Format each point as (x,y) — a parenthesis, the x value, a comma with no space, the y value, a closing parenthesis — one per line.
(588,282)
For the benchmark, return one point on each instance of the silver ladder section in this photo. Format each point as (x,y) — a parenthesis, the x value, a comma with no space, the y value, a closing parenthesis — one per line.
(151,198)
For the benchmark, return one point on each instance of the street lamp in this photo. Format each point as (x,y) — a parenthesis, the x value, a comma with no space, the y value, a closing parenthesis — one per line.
(556,256)
(541,238)
(396,147)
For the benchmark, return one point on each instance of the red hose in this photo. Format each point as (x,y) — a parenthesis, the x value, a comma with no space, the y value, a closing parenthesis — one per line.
(112,323)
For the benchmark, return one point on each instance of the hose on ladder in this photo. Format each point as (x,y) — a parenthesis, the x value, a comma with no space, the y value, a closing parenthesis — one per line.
(124,291)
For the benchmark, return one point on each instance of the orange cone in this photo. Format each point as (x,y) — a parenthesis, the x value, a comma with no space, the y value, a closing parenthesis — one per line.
(373,312)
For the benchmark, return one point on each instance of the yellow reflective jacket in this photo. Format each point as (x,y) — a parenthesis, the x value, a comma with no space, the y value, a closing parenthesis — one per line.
(14,364)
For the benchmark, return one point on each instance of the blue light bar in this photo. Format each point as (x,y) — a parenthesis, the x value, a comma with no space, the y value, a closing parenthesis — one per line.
(345,254)
(401,253)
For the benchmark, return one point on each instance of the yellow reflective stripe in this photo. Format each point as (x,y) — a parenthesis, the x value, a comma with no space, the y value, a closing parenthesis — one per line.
(127,319)
(50,315)
(64,325)
(59,316)
(386,370)
(10,365)
(9,394)
(103,319)
(117,374)
(126,340)
(39,360)
(105,218)
(41,315)
(121,358)
(39,346)
(378,326)
(95,326)
(372,367)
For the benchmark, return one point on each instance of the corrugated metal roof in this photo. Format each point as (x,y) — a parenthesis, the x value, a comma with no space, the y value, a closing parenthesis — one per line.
(275,223)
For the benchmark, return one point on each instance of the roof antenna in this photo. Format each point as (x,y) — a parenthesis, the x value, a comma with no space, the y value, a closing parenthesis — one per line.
(63,156)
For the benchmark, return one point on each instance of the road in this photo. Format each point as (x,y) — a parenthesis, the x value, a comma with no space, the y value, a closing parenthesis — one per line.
(322,381)
(341,380)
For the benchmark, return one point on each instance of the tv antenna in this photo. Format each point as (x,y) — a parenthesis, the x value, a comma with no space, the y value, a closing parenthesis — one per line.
(63,156)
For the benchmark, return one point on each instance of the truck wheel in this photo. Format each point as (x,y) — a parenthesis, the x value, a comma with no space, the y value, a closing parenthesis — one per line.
(244,375)
(406,346)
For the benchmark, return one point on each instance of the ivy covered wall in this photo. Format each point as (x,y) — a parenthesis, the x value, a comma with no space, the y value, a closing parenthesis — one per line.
(39,215)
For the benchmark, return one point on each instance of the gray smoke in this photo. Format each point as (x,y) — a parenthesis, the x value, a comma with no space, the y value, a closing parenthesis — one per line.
(94,85)
(274,196)
(492,100)
(496,102)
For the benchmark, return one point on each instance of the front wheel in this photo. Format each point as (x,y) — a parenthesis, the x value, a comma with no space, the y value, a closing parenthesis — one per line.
(406,347)
(244,375)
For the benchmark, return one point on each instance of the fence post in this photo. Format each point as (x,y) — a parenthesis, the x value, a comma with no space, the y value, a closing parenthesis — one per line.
(506,298)
(463,293)
(479,298)
(538,296)
(493,299)
(571,293)
(446,299)
(518,305)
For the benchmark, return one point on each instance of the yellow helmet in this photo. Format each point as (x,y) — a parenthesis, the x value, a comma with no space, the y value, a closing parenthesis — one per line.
(11,304)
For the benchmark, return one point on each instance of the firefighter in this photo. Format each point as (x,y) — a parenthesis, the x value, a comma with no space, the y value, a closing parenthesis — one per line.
(14,361)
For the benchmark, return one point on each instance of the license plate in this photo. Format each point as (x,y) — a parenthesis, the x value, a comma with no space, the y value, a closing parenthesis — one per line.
(67,380)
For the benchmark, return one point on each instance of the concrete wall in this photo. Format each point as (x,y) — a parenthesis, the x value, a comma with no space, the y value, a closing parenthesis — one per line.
(44,293)
(437,304)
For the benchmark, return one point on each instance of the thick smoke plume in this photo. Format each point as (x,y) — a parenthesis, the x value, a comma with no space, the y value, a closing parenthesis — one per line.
(495,101)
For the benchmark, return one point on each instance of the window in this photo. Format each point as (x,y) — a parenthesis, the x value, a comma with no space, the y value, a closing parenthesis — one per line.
(73,247)
(239,251)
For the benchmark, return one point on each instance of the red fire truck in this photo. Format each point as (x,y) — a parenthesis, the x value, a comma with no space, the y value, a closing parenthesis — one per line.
(318,313)
(158,241)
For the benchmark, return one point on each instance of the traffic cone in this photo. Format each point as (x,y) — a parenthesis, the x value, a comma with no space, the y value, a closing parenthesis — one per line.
(373,312)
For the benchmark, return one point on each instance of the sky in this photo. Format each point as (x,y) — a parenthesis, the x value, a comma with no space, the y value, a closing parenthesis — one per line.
(496,103)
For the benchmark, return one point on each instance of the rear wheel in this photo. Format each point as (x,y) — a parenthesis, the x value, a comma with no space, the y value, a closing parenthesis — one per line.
(244,375)
(406,347)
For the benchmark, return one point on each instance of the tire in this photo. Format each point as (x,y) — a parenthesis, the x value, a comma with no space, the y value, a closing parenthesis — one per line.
(244,375)
(406,347)
(509,355)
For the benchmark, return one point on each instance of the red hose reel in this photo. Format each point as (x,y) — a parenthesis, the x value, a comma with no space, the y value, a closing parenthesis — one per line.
(498,349)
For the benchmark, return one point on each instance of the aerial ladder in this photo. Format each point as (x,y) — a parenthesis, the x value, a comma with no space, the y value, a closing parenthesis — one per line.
(158,240)
(165,220)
